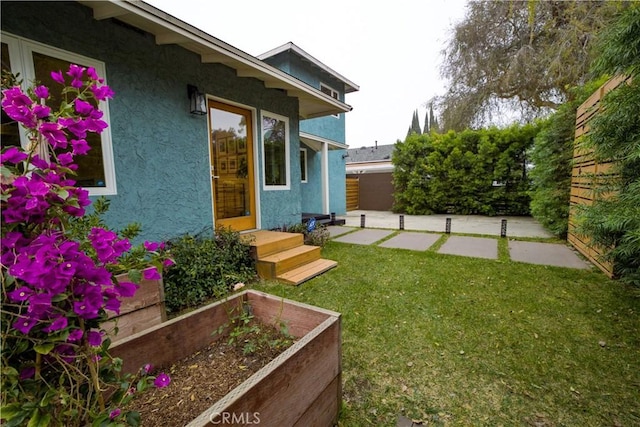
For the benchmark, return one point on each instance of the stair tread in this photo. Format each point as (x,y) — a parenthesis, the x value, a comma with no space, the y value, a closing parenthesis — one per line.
(265,242)
(307,271)
(283,255)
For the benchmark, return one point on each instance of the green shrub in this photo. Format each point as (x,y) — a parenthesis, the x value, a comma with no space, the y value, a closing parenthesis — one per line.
(207,265)
(552,157)
(471,172)
(317,237)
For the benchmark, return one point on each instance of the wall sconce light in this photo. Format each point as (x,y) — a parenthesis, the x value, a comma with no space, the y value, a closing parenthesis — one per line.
(344,156)
(197,104)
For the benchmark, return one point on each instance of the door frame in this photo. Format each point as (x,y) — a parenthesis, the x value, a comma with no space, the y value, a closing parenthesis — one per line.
(254,144)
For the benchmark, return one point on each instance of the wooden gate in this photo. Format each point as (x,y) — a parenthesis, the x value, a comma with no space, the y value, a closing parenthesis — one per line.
(353,194)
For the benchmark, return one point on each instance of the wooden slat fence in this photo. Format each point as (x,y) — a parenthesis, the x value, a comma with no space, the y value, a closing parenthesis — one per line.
(353,194)
(587,175)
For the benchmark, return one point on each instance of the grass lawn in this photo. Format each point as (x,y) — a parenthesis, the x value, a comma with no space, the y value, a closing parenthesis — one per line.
(450,340)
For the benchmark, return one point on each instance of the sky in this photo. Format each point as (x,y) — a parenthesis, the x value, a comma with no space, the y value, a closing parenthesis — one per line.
(391,50)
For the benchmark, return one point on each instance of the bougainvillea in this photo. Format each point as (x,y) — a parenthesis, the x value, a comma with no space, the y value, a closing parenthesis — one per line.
(58,267)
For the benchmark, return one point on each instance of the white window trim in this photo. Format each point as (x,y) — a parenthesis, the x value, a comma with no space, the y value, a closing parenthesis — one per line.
(333,91)
(305,164)
(287,160)
(20,54)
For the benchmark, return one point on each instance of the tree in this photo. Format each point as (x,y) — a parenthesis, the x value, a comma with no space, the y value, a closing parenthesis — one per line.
(426,123)
(433,122)
(520,56)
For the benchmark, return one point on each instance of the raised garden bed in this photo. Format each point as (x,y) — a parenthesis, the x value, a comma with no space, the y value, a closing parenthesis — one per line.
(301,386)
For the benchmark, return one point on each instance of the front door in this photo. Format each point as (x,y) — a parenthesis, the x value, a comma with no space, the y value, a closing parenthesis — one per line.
(232,174)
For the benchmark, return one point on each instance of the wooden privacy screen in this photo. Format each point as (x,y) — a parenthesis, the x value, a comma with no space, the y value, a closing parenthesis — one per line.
(353,195)
(587,175)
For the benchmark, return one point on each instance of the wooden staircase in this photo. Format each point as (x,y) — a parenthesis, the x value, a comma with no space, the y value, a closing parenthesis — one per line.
(285,257)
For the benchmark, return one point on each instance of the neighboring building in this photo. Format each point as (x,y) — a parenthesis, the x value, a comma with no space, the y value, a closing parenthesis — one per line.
(322,139)
(234,163)
(373,168)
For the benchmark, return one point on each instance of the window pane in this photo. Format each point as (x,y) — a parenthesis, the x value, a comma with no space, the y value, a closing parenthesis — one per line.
(274,141)
(9,134)
(303,165)
(90,171)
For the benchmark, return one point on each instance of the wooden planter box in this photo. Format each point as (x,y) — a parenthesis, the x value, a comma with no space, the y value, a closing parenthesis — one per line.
(300,387)
(144,310)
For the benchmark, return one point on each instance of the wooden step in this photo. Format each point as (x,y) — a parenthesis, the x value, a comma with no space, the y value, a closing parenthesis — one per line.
(307,271)
(271,266)
(264,242)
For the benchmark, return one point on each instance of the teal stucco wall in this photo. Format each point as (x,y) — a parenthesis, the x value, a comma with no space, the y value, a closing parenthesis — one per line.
(160,151)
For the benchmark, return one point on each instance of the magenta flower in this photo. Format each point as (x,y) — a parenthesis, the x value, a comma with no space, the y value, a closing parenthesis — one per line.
(162,380)
(147,368)
(151,274)
(54,134)
(27,373)
(65,159)
(78,127)
(94,338)
(101,93)
(58,323)
(107,245)
(168,262)
(41,111)
(13,155)
(17,105)
(21,294)
(75,335)
(80,146)
(151,246)
(24,324)
(41,92)
(83,107)
(57,77)
(126,289)
(88,307)
(115,413)
(93,75)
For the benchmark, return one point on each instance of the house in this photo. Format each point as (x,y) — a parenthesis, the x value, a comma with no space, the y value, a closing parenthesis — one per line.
(201,134)
(322,139)
(371,170)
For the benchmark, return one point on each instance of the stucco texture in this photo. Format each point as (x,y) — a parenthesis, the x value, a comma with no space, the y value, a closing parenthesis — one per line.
(160,151)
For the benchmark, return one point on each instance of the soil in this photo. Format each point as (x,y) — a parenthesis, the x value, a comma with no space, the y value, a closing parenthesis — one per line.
(203,378)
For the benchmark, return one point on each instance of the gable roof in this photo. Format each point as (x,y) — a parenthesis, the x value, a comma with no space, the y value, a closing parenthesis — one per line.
(380,153)
(168,29)
(348,84)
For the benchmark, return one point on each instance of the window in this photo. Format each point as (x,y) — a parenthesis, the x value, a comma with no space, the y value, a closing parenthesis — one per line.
(35,61)
(332,93)
(303,165)
(275,149)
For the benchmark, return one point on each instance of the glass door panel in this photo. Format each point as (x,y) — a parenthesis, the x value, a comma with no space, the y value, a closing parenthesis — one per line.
(232,166)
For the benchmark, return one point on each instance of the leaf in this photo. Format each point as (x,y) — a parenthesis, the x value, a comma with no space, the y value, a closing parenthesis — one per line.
(7,412)
(133,418)
(135,275)
(37,420)
(43,348)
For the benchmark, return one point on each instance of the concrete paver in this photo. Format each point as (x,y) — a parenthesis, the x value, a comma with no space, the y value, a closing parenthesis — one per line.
(338,230)
(546,254)
(411,240)
(381,224)
(365,236)
(478,247)
(517,226)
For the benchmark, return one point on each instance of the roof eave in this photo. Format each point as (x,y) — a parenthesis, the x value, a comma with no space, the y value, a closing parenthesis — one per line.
(349,85)
(168,29)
